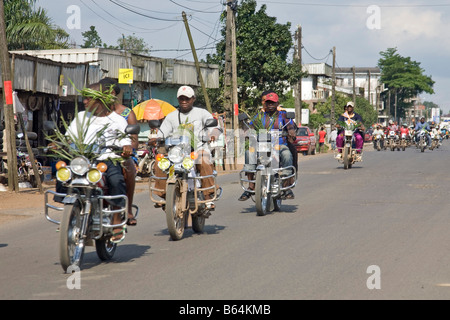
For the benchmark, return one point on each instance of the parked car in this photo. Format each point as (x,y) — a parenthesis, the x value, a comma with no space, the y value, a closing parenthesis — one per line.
(305,141)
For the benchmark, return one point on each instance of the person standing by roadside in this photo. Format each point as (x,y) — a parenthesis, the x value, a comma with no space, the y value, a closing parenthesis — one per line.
(332,138)
(322,135)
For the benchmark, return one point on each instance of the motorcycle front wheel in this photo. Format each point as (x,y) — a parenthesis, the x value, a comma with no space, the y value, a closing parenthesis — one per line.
(346,158)
(198,220)
(174,216)
(70,249)
(262,194)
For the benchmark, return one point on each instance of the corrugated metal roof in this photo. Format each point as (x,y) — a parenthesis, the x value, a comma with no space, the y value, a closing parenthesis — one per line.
(145,68)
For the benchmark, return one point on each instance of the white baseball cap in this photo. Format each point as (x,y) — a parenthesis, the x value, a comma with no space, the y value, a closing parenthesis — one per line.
(185,91)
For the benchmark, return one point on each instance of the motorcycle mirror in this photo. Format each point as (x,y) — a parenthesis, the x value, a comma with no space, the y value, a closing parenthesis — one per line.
(290,115)
(49,125)
(211,123)
(242,116)
(132,129)
(153,124)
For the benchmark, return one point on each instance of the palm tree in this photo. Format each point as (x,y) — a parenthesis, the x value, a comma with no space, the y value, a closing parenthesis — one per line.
(30,28)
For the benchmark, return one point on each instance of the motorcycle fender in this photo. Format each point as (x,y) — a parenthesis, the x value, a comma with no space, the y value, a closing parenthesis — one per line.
(70,199)
(260,167)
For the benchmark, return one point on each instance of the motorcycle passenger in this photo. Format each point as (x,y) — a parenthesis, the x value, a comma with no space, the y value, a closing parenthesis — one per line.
(101,115)
(130,163)
(272,118)
(350,117)
(194,117)
(380,132)
(422,124)
(404,130)
(392,127)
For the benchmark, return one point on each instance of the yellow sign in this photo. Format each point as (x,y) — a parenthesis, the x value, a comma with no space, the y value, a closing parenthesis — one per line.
(126,76)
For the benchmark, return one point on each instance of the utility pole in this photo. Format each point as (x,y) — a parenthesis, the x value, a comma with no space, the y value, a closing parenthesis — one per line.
(13,183)
(354,86)
(298,96)
(333,90)
(197,66)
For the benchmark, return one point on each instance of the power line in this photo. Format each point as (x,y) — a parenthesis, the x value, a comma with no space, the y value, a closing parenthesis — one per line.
(326,57)
(195,10)
(358,5)
(142,14)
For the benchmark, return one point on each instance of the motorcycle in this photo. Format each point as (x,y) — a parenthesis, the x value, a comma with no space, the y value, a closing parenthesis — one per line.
(421,139)
(87,211)
(377,141)
(269,179)
(184,199)
(393,140)
(403,141)
(349,153)
(25,170)
(435,140)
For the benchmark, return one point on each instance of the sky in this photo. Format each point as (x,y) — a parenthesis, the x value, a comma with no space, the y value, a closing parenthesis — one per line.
(359,30)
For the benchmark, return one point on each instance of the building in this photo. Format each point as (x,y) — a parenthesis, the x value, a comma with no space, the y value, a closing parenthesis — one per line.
(46,81)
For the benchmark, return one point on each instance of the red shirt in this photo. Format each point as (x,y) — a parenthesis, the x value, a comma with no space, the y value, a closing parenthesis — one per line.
(322,135)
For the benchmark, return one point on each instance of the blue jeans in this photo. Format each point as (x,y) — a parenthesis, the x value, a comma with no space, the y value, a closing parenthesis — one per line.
(285,156)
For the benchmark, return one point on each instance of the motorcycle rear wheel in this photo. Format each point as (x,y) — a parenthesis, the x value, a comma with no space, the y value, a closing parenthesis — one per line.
(105,249)
(174,217)
(262,194)
(71,251)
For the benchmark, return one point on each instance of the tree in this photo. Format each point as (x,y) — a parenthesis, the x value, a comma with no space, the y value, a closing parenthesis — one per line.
(262,47)
(134,45)
(403,76)
(362,107)
(30,28)
(91,38)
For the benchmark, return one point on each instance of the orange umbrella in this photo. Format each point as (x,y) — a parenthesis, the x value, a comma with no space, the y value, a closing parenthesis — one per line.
(153,109)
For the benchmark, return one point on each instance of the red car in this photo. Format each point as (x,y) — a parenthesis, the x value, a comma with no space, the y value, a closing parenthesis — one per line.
(305,141)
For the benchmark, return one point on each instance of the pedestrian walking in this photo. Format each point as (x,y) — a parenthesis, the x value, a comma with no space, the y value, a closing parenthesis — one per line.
(322,135)
(332,139)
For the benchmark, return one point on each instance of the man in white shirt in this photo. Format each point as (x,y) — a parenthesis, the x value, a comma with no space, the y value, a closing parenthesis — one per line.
(194,117)
(100,125)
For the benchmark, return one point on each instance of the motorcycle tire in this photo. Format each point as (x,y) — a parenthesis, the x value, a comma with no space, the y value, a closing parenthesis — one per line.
(175,218)
(198,220)
(70,250)
(346,158)
(105,248)
(262,194)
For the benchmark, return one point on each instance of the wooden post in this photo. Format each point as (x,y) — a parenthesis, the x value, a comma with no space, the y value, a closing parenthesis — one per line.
(194,53)
(13,184)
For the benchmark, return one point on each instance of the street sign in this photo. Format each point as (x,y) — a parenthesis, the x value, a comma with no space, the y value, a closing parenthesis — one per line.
(126,76)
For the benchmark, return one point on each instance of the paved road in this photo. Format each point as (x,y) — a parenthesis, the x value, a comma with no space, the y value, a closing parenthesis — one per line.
(384,222)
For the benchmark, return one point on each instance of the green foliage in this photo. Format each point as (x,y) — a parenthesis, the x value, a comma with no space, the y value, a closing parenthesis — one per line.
(262,47)
(362,107)
(91,38)
(30,28)
(403,76)
(133,44)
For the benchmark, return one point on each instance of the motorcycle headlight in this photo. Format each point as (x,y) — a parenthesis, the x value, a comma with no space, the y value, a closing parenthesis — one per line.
(164,164)
(63,174)
(264,146)
(176,154)
(79,165)
(188,163)
(94,175)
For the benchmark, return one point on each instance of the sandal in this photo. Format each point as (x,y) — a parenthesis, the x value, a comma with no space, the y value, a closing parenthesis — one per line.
(245,196)
(121,233)
(131,221)
(289,195)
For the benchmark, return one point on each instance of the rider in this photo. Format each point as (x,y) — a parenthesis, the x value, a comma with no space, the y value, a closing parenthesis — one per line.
(423,125)
(392,126)
(404,130)
(350,117)
(379,131)
(101,115)
(196,118)
(130,163)
(272,118)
